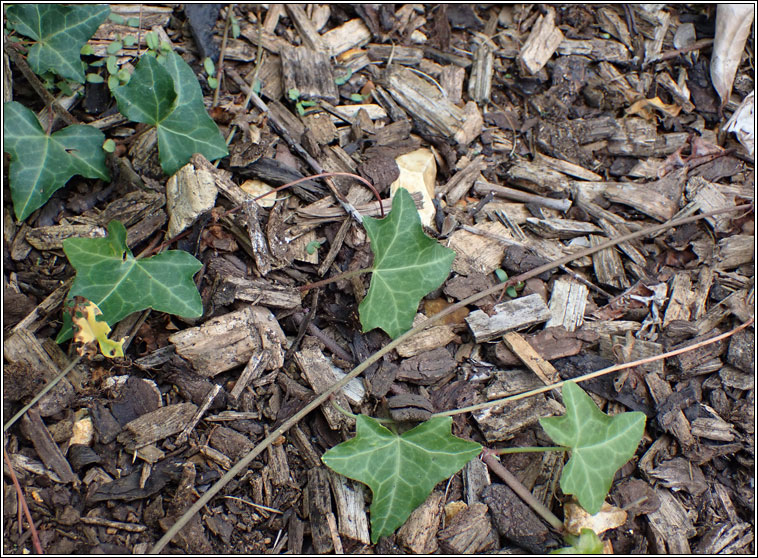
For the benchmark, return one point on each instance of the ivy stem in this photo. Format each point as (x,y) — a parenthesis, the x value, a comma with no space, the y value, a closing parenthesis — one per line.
(496,467)
(504,451)
(220,68)
(354,416)
(330,280)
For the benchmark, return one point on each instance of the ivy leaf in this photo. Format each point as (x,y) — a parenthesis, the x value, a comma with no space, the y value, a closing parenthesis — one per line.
(408,265)
(41,164)
(60,32)
(600,445)
(400,470)
(110,276)
(586,543)
(168,96)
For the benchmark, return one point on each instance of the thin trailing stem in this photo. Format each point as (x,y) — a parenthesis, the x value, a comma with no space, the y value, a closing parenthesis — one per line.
(330,280)
(496,467)
(22,502)
(506,451)
(292,421)
(220,68)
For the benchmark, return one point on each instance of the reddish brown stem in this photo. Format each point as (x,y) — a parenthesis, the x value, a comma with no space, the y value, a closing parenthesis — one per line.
(24,506)
(330,280)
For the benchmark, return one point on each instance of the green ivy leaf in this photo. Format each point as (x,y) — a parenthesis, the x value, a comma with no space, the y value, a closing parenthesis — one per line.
(110,276)
(60,31)
(586,543)
(400,470)
(169,97)
(408,265)
(41,164)
(600,445)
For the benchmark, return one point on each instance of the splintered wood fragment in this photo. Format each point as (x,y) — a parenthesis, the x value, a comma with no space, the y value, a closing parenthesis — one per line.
(269,41)
(709,198)
(156,425)
(531,358)
(596,49)
(309,72)
(679,299)
(258,243)
(643,198)
(222,180)
(427,340)
(470,531)
(351,34)
(260,291)
(460,183)
(505,421)
(190,192)
(551,343)
(735,250)
(407,56)
(305,28)
(277,466)
(334,247)
(680,94)
(566,167)
(482,187)
(427,103)
(514,314)
(609,269)
(351,508)
(47,450)
(538,177)
(252,371)
(561,228)
(319,505)
(614,25)
(629,348)
(320,373)
(230,340)
(477,253)
(480,83)
(672,421)
(670,525)
(418,533)
(541,44)
(52,237)
(206,403)
(476,477)
(451,81)
(713,428)
(567,303)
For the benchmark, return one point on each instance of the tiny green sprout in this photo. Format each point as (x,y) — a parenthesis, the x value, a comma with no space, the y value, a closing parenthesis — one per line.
(165,46)
(129,40)
(113,82)
(212,82)
(112,64)
(357,97)
(95,78)
(109,146)
(87,50)
(302,105)
(99,63)
(293,94)
(123,76)
(114,47)
(152,41)
(116,18)
(344,79)
(257,86)
(235,28)
(502,276)
(313,245)
(210,67)
(133,22)
(65,87)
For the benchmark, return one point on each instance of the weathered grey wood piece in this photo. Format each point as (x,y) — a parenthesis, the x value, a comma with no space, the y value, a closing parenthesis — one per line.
(510,315)
(47,450)
(567,303)
(309,72)
(351,508)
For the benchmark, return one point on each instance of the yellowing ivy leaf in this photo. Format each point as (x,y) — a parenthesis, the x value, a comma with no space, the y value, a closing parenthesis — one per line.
(89,329)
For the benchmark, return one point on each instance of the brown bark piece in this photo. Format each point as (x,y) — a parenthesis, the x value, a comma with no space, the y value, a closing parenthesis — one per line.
(350,503)
(309,72)
(516,521)
(531,358)
(157,425)
(418,532)
(567,303)
(47,450)
(227,341)
(541,44)
(670,525)
(470,532)
(428,368)
(319,500)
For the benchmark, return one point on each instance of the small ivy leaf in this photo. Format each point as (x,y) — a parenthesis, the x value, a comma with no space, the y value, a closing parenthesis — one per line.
(400,470)
(110,276)
(60,32)
(586,543)
(408,265)
(89,329)
(600,445)
(42,164)
(168,96)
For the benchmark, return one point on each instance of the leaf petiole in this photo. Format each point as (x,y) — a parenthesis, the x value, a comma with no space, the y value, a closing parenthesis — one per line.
(505,451)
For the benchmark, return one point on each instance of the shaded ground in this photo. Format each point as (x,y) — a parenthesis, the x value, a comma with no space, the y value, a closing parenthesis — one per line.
(587,158)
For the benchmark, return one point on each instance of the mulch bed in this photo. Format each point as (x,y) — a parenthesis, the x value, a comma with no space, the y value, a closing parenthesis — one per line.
(537,152)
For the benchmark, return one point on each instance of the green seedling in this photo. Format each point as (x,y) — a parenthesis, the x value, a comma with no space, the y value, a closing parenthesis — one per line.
(210,69)
(313,245)
(586,543)
(502,276)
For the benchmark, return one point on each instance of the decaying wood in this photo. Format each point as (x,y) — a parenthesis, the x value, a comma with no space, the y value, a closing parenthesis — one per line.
(157,425)
(567,303)
(531,358)
(470,532)
(541,44)
(52,237)
(351,508)
(482,187)
(230,340)
(309,72)
(427,340)
(47,450)
(319,506)
(418,533)
(259,291)
(505,421)
(670,525)
(513,314)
